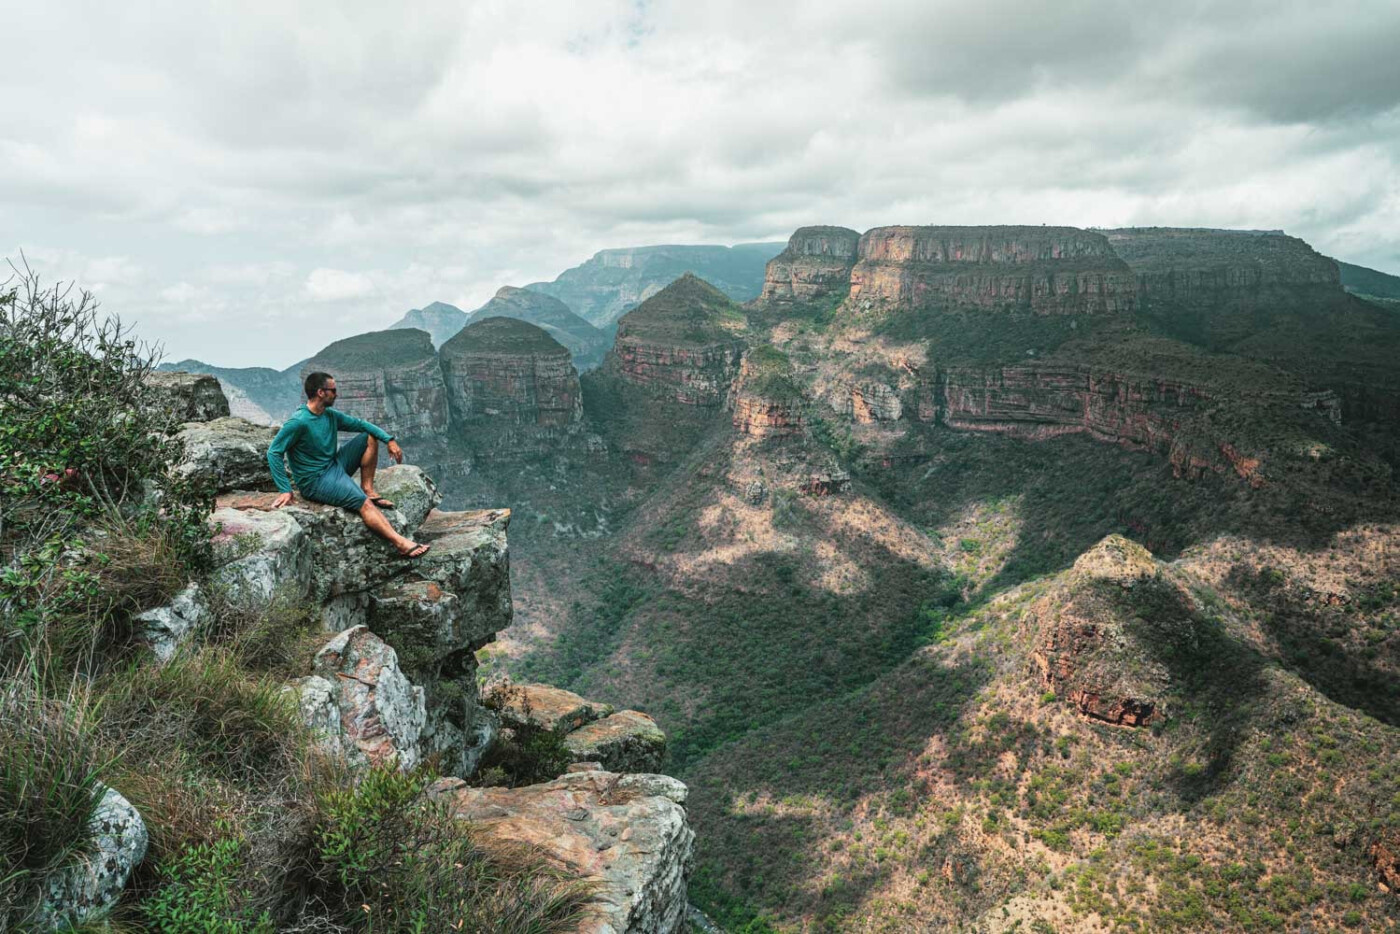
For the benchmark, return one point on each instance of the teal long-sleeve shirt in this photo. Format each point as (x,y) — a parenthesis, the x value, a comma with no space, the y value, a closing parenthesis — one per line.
(308,442)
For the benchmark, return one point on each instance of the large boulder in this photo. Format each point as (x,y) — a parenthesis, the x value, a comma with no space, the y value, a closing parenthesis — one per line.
(226,453)
(546,707)
(360,703)
(627,741)
(192,397)
(87,888)
(628,834)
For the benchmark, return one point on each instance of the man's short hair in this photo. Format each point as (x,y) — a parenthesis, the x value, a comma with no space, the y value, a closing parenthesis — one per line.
(315,382)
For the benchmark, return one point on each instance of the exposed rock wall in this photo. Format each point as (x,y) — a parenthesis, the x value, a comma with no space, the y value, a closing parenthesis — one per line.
(586,344)
(1044,270)
(1217,286)
(510,371)
(817,262)
(391,378)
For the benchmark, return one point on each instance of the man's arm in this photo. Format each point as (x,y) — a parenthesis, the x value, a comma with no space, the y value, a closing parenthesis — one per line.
(276,464)
(345,422)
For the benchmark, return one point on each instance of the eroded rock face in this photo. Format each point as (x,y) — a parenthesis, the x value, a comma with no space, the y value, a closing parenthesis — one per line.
(866,401)
(512,387)
(766,399)
(193,397)
(816,263)
(626,833)
(390,378)
(164,629)
(585,343)
(627,741)
(547,707)
(380,713)
(1043,270)
(227,453)
(1220,285)
(86,889)
(681,345)
(1093,652)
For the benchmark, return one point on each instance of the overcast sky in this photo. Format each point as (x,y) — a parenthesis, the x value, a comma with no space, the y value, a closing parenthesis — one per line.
(250,180)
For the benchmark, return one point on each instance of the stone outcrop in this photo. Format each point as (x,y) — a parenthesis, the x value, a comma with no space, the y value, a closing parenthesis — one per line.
(226,454)
(627,741)
(615,281)
(586,344)
(682,345)
(85,889)
(816,263)
(164,629)
(1218,286)
(627,834)
(390,378)
(193,397)
(1041,270)
(766,399)
(512,387)
(865,401)
(1093,648)
(259,394)
(440,320)
(361,705)
(546,707)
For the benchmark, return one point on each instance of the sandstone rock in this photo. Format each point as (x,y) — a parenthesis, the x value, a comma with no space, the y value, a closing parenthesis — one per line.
(470,557)
(512,387)
(259,552)
(390,378)
(381,714)
(628,834)
(166,628)
(193,397)
(86,890)
(586,344)
(1385,857)
(412,491)
(1043,270)
(866,402)
(547,707)
(227,453)
(1222,285)
(767,399)
(627,741)
(817,262)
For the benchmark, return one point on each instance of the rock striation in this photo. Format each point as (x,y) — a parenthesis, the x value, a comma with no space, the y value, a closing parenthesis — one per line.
(816,262)
(1040,270)
(586,344)
(391,378)
(626,834)
(1219,286)
(766,400)
(682,344)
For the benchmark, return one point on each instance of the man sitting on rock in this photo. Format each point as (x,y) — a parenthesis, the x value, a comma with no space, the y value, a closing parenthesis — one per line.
(308,443)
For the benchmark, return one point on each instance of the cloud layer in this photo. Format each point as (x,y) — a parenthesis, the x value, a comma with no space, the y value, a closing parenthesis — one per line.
(251,181)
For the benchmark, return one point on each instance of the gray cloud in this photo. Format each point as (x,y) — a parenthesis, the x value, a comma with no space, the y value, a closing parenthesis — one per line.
(252,182)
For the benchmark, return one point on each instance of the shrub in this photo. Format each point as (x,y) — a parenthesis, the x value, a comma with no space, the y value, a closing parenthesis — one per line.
(85,454)
(388,860)
(48,782)
(198,892)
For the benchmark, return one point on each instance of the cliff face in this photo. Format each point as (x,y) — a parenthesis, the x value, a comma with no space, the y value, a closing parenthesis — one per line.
(817,262)
(1218,286)
(504,369)
(390,378)
(682,344)
(586,343)
(765,399)
(614,281)
(439,319)
(1043,270)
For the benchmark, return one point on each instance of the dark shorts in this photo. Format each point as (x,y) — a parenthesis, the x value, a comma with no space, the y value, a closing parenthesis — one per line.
(335,487)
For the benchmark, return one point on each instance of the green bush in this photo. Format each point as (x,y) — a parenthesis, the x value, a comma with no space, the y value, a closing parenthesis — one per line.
(198,892)
(86,448)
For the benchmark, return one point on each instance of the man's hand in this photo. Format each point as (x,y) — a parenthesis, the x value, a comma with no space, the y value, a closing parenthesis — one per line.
(395,452)
(283,500)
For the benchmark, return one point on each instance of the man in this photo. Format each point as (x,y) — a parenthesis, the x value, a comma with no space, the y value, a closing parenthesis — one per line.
(322,473)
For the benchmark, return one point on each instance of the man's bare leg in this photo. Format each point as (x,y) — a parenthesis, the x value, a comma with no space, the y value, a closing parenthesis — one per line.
(368,464)
(380,526)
